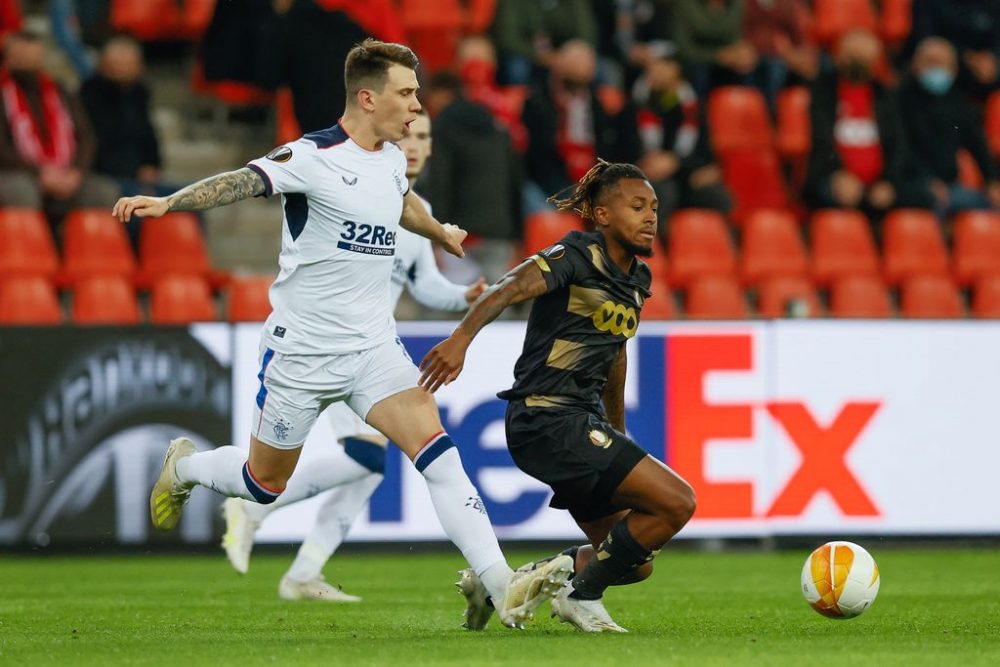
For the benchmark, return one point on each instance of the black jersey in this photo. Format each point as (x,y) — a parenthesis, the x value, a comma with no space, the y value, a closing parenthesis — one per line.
(579,326)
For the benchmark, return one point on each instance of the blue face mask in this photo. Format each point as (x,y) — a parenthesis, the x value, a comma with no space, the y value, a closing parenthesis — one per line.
(936,80)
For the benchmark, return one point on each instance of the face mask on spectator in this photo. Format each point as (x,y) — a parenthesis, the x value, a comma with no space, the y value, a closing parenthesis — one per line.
(936,80)
(856,71)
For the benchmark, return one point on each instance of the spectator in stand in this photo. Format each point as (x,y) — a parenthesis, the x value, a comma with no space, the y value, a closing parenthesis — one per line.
(676,154)
(638,32)
(47,145)
(527,34)
(710,43)
(859,156)
(775,29)
(973,27)
(568,128)
(473,178)
(477,66)
(939,121)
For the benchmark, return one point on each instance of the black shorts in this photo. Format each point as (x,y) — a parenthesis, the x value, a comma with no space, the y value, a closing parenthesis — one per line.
(574,451)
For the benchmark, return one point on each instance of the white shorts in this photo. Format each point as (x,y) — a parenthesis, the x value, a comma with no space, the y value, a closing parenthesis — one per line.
(296,388)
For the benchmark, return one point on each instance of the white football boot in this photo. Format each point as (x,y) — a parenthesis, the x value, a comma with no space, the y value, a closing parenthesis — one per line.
(241,526)
(313,589)
(527,589)
(169,496)
(586,615)
(479,608)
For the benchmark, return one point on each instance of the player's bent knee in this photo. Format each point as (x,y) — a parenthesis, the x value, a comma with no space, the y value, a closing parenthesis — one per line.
(642,572)
(264,488)
(682,507)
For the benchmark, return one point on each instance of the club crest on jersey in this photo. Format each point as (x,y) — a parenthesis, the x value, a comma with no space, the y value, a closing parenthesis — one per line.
(280,154)
(349,181)
(281,428)
(599,438)
(554,252)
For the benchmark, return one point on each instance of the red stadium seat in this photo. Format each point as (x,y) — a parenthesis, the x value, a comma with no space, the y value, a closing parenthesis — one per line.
(287,124)
(992,127)
(913,245)
(661,305)
(772,247)
(716,298)
(248,298)
(932,297)
(150,20)
(181,299)
(699,245)
(658,264)
(172,244)
(29,300)
(105,300)
(738,119)
(986,298)
(26,246)
(842,245)
(776,295)
(433,28)
(547,228)
(863,296)
(754,178)
(94,243)
(794,126)
(833,18)
(895,21)
(977,245)
(968,171)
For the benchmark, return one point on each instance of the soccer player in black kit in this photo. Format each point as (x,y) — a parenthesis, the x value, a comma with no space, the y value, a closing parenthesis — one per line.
(566,411)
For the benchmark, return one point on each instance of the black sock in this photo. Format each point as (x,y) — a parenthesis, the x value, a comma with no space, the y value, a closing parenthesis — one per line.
(618,555)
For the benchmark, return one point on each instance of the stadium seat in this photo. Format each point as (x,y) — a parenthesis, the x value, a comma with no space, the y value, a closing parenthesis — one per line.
(658,264)
(95,243)
(287,125)
(772,247)
(833,18)
(842,245)
(738,119)
(716,298)
(661,305)
(968,171)
(977,245)
(172,244)
(248,298)
(433,29)
(992,126)
(26,246)
(932,297)
(776,295)
(794,126)
(29,300)
(149,20)
(699,245)
(547,227)
(912,245)
(754,178)
(863,296)
(986,298)
(181,299)
(105,300)
(895,21)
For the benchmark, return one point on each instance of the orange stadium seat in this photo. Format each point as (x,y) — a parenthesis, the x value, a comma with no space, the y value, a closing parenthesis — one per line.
(658,264)
(968,171)
(287,124)
(716,298)
(977,245)
(29,300)
(660,306)
(912,245)
(248,298)
(860,296)
(895,21)
(794,126)
(930,297)
(547,227)
(986,298)
(775,295)
(833,18)
(754,178)
(842,245)
(150,20)
(699,245)
(172,244)
(433,29)
(94,243)
(105,300)
(992,126)
(772,247)
(26,245)
(181,299)
(738,119)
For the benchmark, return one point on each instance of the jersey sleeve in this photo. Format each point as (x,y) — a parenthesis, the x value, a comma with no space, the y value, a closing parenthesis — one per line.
(561,263)
(287,168)
(429,287)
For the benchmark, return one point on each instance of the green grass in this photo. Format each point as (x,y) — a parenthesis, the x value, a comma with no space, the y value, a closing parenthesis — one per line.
(936,607)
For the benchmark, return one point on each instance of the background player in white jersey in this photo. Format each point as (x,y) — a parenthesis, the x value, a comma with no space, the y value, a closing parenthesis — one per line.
(331,335)
(416,271)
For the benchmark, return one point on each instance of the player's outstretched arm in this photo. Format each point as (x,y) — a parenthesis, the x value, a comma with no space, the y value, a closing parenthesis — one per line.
(445,360)
(214,191)
(431,289)
(614,392)
(416,219)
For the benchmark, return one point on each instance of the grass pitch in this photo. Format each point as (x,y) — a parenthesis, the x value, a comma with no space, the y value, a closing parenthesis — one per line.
(936,607)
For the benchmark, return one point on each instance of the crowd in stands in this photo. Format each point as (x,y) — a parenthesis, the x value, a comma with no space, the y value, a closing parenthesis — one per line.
(737,110)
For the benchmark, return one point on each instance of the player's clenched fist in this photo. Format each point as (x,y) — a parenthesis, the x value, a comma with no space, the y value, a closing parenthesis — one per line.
(145,207)
(453,237)
(444,362)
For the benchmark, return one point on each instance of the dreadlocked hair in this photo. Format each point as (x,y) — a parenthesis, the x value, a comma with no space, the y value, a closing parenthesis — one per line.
(589,189)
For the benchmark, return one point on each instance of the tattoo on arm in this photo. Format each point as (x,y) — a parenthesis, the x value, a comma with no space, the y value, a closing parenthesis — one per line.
(524,282)
(217,190)
(614,392)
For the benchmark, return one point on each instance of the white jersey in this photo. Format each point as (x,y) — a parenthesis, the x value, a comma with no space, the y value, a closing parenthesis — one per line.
(415,269)
(342,205)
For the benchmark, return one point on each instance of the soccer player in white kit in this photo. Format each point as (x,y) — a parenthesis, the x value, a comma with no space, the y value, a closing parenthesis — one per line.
(331,335)
(353,471)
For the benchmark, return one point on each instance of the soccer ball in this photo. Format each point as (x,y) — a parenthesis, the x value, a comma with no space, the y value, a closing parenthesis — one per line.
(840,580)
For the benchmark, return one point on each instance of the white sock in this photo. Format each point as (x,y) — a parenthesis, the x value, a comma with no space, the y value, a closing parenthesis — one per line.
(220,469)
(334,519)
(462,513)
